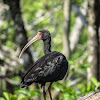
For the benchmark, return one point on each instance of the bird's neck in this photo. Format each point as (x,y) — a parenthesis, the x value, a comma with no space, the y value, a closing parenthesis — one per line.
(47,46)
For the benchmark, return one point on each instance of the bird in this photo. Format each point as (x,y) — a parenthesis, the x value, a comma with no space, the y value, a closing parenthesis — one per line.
(51,67)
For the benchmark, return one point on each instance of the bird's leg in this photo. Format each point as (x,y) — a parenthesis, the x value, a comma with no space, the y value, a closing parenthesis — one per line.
(44,93)
(49,89)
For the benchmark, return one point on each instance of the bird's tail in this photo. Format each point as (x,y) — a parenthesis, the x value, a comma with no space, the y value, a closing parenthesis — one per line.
(23,84)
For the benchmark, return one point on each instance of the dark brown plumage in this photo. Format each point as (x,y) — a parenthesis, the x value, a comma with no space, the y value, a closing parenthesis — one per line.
(49,68)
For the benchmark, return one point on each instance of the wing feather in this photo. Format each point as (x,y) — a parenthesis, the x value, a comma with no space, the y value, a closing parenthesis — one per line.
(44,68)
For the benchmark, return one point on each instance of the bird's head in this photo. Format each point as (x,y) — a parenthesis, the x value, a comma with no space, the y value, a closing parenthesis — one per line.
(42,35)
(45,34)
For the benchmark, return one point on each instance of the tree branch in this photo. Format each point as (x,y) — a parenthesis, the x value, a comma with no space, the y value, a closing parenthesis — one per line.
(21,33)
(80,14)
(67,14)
(91,96)
(78,28)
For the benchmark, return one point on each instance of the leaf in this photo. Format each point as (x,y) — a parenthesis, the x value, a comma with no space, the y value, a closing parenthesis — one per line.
(35,93)
(21,97)
(13,97)
(27,93)
(2,98)
(96,83)
(6,96)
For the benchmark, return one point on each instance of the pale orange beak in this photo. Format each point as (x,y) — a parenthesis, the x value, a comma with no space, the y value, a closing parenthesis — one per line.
(37,37)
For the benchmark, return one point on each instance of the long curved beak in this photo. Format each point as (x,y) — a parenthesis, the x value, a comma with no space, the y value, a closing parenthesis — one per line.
(29,43)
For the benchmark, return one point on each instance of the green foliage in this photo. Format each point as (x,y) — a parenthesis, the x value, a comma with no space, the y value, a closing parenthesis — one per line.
(21,94)
(96,83)
(25,92)
(67,93)
(9,96)
(31,11)
(1,98)
(78,2)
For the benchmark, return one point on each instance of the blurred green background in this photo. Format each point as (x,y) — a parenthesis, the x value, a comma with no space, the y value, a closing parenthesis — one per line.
(36,15)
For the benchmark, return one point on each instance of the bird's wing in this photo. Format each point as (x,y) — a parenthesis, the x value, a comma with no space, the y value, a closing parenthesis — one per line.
(54,69)
(45,66)
(52,64)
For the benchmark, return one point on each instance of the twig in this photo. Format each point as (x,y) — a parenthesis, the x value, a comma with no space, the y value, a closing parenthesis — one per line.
(48,14)
(12,82)
(75,82)
(81,72)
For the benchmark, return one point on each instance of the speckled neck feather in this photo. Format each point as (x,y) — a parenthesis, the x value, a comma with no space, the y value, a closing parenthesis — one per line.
(47,45)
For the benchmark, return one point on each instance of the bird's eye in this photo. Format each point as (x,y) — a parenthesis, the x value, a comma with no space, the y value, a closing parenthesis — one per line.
(40,33)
